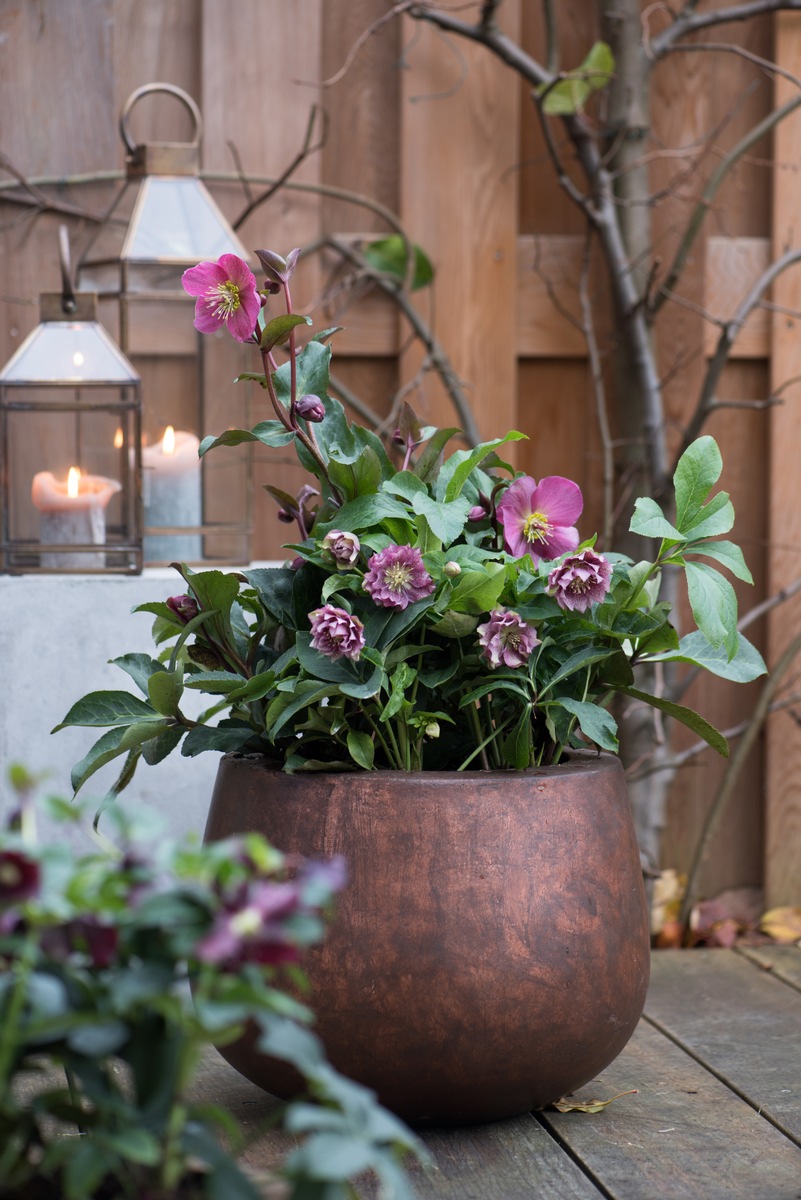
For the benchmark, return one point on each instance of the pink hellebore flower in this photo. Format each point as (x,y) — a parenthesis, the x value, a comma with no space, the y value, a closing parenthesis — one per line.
(226,295)
(579,580)
(336,633)
(506,639)
(343,547)
(538,518)
(396,577)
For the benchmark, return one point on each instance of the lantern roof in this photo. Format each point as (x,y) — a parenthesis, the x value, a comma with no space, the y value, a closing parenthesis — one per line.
(68,346)
(176,220)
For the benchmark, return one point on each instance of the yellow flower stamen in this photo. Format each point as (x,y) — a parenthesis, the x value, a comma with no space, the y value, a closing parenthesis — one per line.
(397,576)
(536,527)
(228,298)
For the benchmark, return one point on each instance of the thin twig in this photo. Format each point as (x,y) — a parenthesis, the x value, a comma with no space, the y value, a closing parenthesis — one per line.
(689,21)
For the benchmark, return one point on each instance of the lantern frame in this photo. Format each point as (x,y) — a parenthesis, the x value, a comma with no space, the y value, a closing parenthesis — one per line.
(61,368)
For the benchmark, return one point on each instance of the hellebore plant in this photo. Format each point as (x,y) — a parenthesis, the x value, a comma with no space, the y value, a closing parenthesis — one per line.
(438,612)
(100,1040)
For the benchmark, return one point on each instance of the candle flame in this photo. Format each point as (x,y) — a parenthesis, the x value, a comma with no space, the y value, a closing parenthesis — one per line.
(73,481)
(168,443)
(118,439)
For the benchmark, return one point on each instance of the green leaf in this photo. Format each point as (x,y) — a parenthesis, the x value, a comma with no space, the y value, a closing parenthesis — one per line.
(446,521)
(747,663)
(279,328)
(269,433)
(595,722)
(107,708)
(312,367)
(361,749)
(165,689)
(462,463)
(687,716)
(330,1156)
(139,666)
(214,737)
(715,518)
(106,748)
(477,592)
(516,747)
(697,471)
(714,605)
(572,92)
(388,255)
(649,521)
(455,625)
(136,1145)
(728,554)
(428,463)
(156,749)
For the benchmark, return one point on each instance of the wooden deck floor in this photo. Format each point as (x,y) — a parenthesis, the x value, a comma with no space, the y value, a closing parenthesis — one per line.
(716,1064)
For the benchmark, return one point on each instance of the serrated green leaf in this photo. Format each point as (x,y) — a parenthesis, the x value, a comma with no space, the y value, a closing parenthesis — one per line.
(715,518)
(107,708)
(747,663)
(279,328)
(477,592)
(686,716)
(461,464)
(595,722)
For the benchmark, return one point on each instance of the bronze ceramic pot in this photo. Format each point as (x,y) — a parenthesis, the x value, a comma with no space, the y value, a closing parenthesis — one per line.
(490,952)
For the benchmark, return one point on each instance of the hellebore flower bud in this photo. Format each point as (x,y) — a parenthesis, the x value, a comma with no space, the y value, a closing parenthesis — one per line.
(277,269)
(452,569)
(343,547)
(432,729)
(285,516)
(477,513)
(398,439)
(310,407)
(184,607)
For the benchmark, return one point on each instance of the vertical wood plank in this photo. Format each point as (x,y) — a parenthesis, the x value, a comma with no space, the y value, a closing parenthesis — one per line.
(253,58)
(459,121)
(783,815)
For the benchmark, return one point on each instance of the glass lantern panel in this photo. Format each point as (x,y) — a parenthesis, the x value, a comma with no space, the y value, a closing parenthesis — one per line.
(68,351)
(176,220)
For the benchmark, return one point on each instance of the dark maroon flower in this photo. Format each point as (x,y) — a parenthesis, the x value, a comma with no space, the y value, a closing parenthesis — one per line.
(185,607)
(580,580)
(397,577)
(254,929)
(19,877)
(506,639)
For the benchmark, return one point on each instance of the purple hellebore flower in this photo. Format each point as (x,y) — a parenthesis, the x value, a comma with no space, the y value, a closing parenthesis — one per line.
(184,607)
(579,580)
(506,639)
(396,577)
(343,547)
(226,295)
(19,877)
(336,633)
(310,407)
(253,929)
(538,518)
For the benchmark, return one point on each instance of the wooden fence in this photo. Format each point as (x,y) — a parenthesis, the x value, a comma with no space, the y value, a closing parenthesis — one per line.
(446,136)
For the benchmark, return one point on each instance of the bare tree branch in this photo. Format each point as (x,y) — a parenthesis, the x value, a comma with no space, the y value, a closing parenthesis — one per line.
(689,21)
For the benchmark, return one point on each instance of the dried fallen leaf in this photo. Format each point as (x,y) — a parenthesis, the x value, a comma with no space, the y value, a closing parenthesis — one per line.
(588,1106)
(782,924)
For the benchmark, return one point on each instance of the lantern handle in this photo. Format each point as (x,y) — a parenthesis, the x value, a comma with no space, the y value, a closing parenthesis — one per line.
(68,302)
(172,90)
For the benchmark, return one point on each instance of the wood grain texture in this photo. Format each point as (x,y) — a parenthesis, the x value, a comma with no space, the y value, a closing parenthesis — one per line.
(783,816)
(684,1135)
(459,122)
(738,1020)
(784,962)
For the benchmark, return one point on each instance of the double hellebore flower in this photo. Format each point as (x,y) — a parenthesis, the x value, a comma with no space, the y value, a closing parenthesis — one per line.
(538,518)
(506,639)
(343,547)
(396,577)
(579,580)
(336,633)
(226,295)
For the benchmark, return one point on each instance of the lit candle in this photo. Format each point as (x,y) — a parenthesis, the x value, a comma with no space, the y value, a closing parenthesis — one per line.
(172,497)
(72,512)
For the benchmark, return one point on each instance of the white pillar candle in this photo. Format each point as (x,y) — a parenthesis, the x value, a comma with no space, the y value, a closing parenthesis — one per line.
(172,497)
(72,513)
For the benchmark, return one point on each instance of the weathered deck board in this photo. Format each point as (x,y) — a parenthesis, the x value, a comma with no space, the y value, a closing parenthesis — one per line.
(684,1136)
(716,1064)
(743,1023)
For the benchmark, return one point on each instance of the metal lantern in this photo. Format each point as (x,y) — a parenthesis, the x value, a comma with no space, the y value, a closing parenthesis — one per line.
(70,431)
(195,511)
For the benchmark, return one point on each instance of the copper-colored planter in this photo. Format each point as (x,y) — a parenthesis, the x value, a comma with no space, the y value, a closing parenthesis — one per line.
(490,952)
